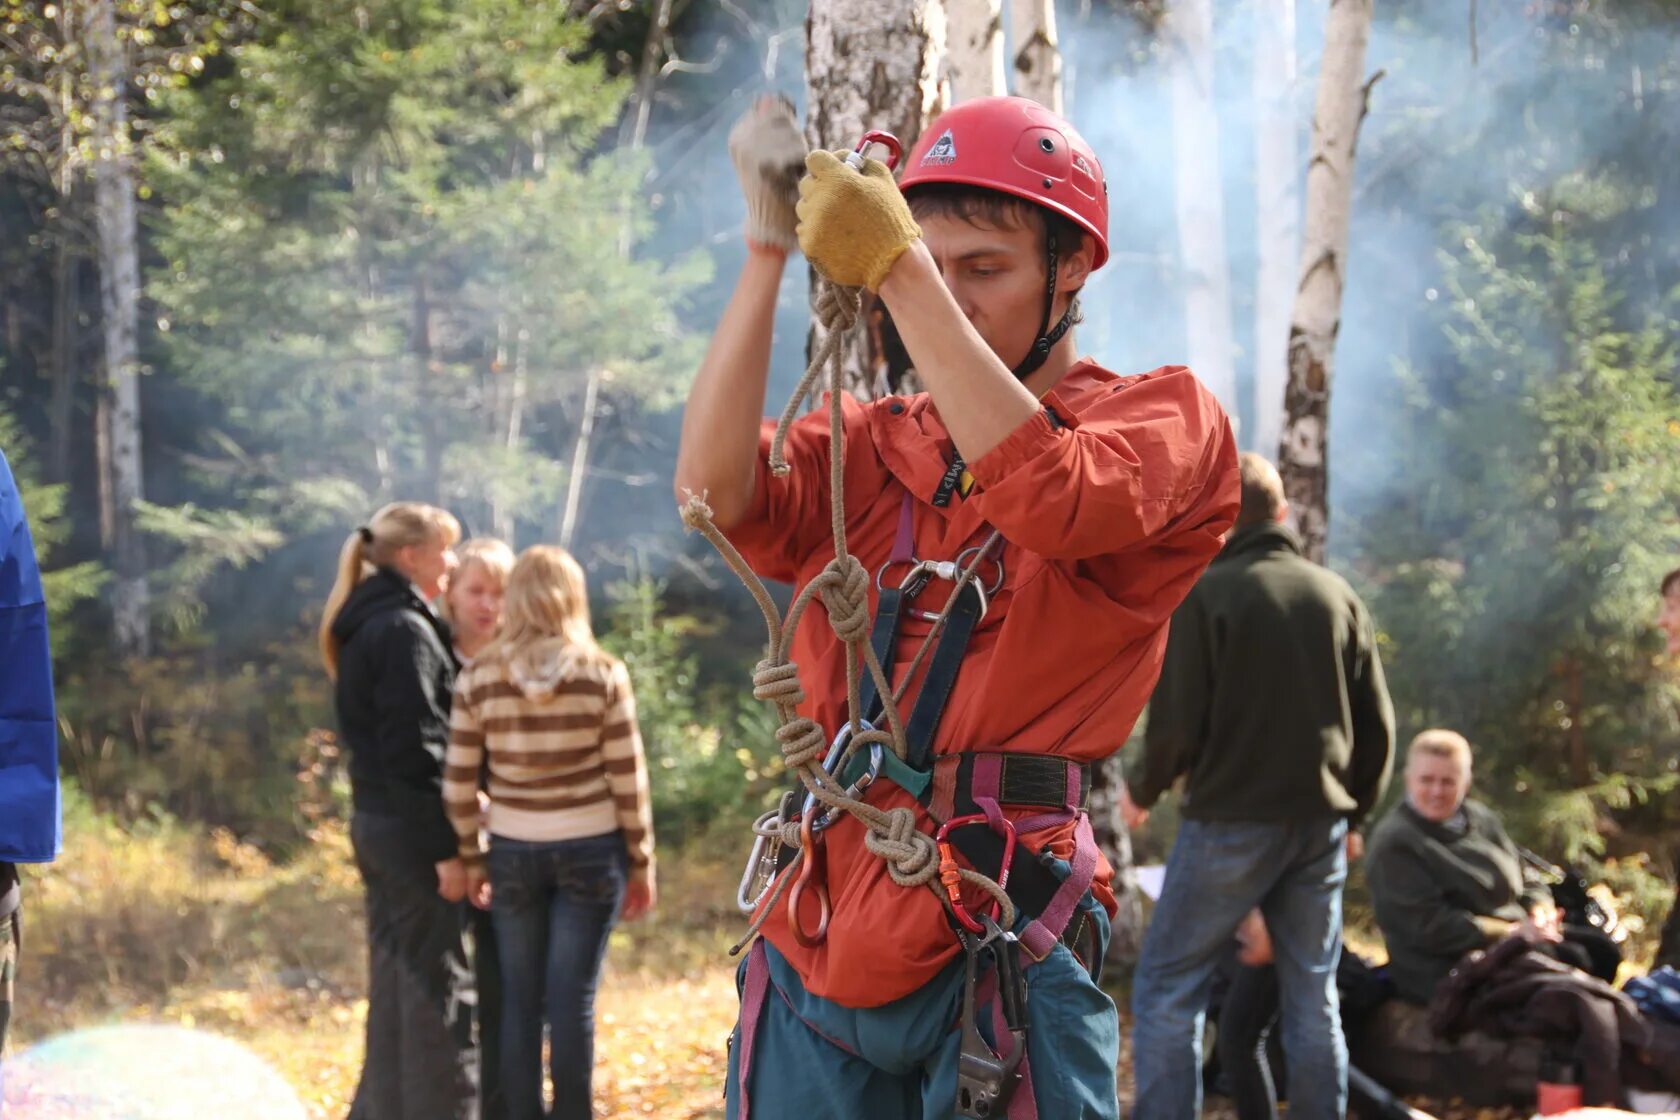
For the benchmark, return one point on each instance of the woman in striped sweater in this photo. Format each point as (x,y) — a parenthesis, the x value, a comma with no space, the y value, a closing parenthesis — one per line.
(571,838)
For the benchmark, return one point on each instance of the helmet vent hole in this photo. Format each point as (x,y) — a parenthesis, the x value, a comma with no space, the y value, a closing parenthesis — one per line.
(1047,144)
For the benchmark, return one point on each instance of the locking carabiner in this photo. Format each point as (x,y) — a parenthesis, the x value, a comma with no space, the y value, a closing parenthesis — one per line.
(950,872)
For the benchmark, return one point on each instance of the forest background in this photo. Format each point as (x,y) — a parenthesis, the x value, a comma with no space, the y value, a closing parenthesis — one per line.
(468,251)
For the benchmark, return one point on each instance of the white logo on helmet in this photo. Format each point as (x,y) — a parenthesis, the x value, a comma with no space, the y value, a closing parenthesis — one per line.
(944,150)
(1079,162)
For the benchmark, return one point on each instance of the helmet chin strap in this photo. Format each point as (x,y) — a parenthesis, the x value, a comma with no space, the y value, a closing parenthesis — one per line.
(1047,336)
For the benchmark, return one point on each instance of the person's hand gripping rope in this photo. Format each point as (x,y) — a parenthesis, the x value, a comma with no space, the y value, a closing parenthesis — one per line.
(853,222)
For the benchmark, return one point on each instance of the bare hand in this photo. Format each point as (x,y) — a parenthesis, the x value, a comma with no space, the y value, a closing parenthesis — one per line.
(452,879)
(1134,817)
(478,888)
(1355,846)
(1255,940)
(639,898)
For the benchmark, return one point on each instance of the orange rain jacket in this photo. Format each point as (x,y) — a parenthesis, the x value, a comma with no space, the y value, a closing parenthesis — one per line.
(1107,522)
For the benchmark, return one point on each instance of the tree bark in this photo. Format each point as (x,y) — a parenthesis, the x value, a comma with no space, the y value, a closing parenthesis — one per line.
(580,460)
(870,65)
(974,59)
(1038,60)
(1188,36)
(1125,938)
(1277,199)
(119,290)
(1303,453)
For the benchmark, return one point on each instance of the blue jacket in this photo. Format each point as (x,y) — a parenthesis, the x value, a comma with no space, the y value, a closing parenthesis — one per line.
(29,800)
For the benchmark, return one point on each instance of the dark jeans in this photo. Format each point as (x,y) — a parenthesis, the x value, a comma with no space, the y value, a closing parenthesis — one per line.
(420,1062)
(554,904)
(487,975)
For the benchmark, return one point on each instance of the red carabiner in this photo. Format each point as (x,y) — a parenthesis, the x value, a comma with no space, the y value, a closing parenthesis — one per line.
(895,150)
(808,877)
(950,872)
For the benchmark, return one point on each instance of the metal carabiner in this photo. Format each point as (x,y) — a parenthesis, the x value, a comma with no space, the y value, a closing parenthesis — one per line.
(809,879)
(950,872)
(854,791)
(895,150)
(760,870)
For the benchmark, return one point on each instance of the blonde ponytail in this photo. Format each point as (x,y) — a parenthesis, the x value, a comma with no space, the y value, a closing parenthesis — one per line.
(395,527)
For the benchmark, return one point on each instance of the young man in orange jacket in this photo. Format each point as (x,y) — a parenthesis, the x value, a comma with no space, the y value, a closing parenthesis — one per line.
(1111,495)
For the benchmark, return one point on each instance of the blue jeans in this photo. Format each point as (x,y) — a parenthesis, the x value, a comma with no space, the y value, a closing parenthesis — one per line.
(554,905)
(1217,873)
(816,1060)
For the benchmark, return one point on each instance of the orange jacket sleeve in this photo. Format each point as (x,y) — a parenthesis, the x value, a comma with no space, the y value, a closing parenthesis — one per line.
(1123,472)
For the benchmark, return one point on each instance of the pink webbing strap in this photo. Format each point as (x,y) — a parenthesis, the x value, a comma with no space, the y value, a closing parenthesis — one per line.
(753,993)
(985,786)
(1041,935)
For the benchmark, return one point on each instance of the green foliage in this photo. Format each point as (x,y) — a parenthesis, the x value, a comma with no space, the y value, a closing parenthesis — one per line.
(711,752)
(393,257)
(1516,582)
(65,585)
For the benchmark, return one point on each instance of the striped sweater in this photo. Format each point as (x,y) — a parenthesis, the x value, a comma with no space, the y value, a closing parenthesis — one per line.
(564,753)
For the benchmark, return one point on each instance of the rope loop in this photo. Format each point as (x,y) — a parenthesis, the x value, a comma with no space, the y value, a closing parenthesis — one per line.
(777,682)
(802,742)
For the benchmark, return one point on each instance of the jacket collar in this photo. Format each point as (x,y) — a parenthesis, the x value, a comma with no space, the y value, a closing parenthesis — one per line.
(1259,539)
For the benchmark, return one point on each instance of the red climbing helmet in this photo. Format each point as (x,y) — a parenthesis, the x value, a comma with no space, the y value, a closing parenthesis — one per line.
(1018,147)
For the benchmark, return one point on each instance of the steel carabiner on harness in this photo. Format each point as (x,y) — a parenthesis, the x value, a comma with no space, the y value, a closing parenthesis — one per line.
(833,761)
(760,870)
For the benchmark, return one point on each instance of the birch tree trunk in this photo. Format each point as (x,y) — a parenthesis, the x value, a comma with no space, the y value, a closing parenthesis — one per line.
(1277,201)
(974,60)
(870,65)
(1038,60)
(1188,34)
(119,290)
(1342,100)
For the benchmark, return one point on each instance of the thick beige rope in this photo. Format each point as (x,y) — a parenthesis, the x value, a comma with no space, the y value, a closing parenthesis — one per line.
(911,856)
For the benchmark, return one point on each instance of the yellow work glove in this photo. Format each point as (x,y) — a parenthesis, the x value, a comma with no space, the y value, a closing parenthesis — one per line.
(853,225)
(769,153)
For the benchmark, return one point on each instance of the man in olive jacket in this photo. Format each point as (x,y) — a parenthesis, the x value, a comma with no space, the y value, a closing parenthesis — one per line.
(1272,706)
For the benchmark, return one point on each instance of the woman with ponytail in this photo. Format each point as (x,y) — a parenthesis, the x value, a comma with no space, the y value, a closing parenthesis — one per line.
(390,657)
(571,835)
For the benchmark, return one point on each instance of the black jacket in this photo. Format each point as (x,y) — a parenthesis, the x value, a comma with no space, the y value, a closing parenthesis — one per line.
(1271,697)
(396,675)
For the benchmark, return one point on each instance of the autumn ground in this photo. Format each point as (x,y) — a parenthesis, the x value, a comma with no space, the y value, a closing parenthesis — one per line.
(172,927)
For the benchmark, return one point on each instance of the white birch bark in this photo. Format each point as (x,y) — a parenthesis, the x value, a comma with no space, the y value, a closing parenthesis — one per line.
(870,65)
(1277,200)
(1037,63)
(119,290)
(974,59)
(1303,458)
(1187,31)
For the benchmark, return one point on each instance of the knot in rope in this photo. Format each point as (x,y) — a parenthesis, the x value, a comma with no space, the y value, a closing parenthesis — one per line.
(911,856)
(802,741)
(777,682)
(845,592)
(837,307)
(696,513)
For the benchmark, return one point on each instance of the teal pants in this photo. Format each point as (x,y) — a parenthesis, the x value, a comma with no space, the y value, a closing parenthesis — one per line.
(815,1060)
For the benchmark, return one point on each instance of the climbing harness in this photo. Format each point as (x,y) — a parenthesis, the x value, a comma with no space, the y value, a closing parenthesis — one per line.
(987,1080)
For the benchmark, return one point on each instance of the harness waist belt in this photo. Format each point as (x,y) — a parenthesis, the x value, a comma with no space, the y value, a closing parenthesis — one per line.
(1023,781)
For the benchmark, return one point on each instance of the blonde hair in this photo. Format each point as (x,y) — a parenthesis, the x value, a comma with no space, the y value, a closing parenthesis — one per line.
(1438,742)
(546,604)
(490,553)
(375,545)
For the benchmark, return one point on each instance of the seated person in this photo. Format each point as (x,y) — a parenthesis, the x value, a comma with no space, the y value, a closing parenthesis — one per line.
(1446,879)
